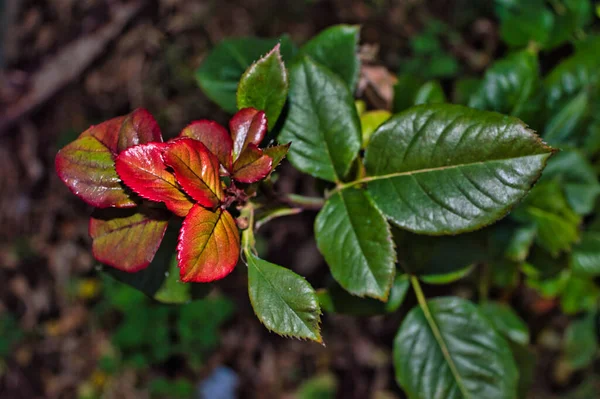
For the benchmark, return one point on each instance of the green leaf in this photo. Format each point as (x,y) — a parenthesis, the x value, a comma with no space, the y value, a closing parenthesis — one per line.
(506,322)
(526,360)
(172,289)
(448,350)
(370,121)
(577,177)
(464,89)
(579,295)
(567,121)
(557,224)
(520,243)
(320,387)
(445,169)
(356,242)
(577,72)
(337,300)
(337,49)
(282,300)
(264,86)
(571,16)
(522,22)
(322,122)
(585,259)
(220,72)
(430,93)
(447,278)
(581,342)
(509,85)
(405,91)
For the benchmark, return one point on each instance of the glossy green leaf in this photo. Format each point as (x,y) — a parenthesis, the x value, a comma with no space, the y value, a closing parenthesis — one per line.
(173,290)
(282,300)
(450,351)
(581,342)
(277,153)
(567,121)
(509,85)
(585,258)
(445,169)
(264,86)
(337,49)
(219,74)
(356,242)
(370,121)
(430,93)
(337,300)
(322,122)
(506,322)
(557,224)
(577,72)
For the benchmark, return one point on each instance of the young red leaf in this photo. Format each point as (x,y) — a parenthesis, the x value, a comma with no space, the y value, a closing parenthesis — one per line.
(277,153)
(252,165)
(196,170)
(142,168)
(248,126)
(138,127)
(87,167)
(214,136)
(128,240)
(107,132)
(209,245)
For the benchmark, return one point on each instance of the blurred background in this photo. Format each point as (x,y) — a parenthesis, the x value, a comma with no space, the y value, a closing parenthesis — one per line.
(70,331)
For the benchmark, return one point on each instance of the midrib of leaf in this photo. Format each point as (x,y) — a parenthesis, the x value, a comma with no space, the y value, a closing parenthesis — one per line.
(200,178)
(360,243)
(250,258)
(128,226)
(438,336)
(426,170)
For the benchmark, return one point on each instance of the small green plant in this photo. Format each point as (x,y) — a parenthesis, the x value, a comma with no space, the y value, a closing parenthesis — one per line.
(407,199)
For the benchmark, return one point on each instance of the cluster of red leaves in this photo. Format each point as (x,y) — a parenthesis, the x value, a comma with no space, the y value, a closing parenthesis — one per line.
(124,163)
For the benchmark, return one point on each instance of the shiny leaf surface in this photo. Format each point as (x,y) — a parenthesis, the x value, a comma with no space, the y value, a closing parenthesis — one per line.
(248,126)
(252,165)
(445,169)
(356,242)
(264,86)
(209,245)
(196,170)
(282,300)
(450,351)
(127,239)
(322,122)
(143,170)
(214,136)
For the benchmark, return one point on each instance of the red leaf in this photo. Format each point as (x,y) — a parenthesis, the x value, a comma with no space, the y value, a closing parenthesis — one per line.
(142,168)
(248,126)
(209,245)
(252,165)
(214,136)
(87,167)
(106,132)
(196,170)
(139,127)
(127,240)
(277,152)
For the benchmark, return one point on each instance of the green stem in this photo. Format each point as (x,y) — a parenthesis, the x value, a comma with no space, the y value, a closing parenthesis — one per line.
(301,201)
(274,214)
(437,334)
(248,240)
